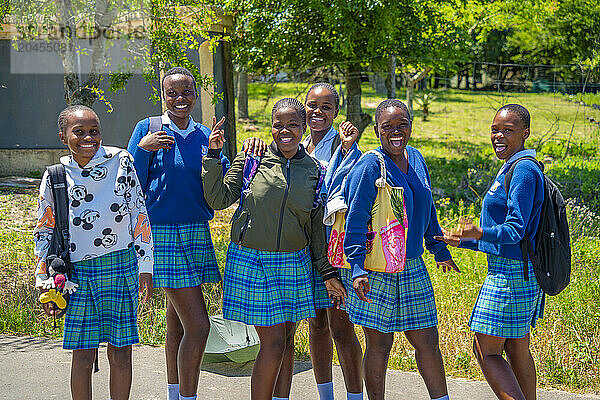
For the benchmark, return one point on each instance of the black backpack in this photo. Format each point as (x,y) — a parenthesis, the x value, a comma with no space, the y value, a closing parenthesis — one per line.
(552,256)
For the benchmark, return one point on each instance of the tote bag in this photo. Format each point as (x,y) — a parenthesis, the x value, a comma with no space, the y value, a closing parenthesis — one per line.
(386,231)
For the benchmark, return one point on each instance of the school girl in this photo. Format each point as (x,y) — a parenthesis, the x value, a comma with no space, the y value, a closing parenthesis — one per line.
(277,238)
(169,166)
(384,303)
(507,305)
(322,106)
(110,247)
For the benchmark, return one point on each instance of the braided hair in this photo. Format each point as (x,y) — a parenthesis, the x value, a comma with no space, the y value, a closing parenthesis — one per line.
(329,87)
(63,117)
(294,104)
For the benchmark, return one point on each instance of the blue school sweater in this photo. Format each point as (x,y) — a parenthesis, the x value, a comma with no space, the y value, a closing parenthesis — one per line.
(172,179)
(505,219)
(360,193)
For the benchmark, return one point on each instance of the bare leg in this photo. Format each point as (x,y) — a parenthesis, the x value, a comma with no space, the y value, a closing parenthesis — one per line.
(348,349)
(521,362)
(429,360)
(488,350)
(321,346)
(286,371)
(119,360)
(269,359)
(172,342)
(191,310)
(377,354)
(81,374)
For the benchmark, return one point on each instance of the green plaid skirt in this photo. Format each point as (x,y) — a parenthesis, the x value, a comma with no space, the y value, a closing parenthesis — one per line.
(184,255)
(266,288)
(104,307)
(402,301)
(507,305)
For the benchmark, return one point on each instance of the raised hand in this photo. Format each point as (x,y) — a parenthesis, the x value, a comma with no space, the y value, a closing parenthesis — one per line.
(349,134)
(217,135)
(254,146)
(156,141)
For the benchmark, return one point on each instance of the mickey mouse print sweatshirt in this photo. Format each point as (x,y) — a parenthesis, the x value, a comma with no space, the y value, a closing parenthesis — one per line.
(107,212)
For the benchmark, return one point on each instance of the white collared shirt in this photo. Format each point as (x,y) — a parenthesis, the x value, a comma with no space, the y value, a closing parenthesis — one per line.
(322,150)
(182,132)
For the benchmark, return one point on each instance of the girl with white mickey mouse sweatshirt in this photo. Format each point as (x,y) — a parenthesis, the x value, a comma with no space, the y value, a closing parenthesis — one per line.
(111,249)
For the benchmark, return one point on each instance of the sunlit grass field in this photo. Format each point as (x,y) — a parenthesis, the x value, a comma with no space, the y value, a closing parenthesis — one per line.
(455,142)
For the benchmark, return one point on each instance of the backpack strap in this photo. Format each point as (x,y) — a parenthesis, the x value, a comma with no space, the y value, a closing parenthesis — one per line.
(525,243)
(335,143)
(155,124)
(58,183)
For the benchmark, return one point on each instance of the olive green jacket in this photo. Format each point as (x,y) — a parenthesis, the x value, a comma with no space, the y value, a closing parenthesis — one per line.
(277,211)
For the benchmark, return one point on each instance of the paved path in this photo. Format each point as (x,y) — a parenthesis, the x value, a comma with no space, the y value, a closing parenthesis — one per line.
(38,368)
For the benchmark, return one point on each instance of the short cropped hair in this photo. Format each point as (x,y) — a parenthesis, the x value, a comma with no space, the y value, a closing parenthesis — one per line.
(294,104)
(520,111)
(390,103)
(180,71)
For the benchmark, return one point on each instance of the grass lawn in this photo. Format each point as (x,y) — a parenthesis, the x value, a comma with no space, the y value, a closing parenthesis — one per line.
(455,143)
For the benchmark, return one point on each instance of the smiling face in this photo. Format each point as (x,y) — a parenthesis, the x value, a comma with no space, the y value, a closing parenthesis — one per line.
(393,129)
(287,130)
(321,109)
(180,96)
(82,135)
(508,134)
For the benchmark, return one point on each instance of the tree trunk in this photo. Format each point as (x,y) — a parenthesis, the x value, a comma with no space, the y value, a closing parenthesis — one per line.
(354,111)
(242,93)
(230,147)
(411,81)
(390,81)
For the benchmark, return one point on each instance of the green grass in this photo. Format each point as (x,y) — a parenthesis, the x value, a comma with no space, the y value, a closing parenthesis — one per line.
(455,142)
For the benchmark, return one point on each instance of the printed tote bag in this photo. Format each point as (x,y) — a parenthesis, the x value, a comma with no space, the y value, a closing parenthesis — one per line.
(387,229)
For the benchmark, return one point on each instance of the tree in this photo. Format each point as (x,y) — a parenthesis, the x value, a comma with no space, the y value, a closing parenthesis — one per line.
(175,27)
(302,34)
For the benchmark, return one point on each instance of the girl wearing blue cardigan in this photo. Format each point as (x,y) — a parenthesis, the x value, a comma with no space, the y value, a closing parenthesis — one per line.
(169,165)
(384,303)
(507,305)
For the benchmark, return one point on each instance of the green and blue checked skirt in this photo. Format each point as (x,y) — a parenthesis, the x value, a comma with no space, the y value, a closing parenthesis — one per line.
(322,299)
(266,288)
(507,305)
(402,301)
(104,307)
(184,255)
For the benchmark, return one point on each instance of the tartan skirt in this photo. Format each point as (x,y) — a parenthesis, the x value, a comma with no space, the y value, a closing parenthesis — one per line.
(402,301)
(266,288)
(104,307)
(507,305)
(184,255)
(322,299)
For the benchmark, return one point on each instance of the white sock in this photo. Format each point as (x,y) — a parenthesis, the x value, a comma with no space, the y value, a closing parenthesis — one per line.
(354,396)
(194,397)
(325,390)
(172,391)
(446,397)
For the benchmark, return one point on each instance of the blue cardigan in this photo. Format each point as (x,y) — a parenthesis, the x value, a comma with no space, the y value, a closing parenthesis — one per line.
(172,179)
(360,193)
(505,219)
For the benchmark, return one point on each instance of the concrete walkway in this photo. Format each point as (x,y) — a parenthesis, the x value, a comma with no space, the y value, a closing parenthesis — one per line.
(38,368)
